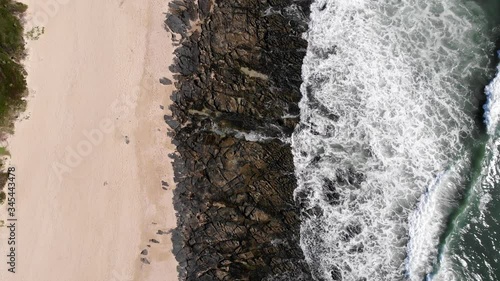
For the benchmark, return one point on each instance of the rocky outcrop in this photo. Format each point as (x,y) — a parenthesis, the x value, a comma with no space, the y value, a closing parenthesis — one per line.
(238,74)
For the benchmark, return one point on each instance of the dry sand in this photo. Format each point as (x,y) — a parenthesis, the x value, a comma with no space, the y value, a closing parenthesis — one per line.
(91,152)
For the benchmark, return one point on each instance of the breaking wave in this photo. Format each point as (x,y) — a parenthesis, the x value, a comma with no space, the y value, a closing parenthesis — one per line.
(492,105)
(386,116)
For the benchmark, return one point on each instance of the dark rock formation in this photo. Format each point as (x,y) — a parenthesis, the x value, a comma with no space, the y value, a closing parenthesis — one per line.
(238,73)
(165,81)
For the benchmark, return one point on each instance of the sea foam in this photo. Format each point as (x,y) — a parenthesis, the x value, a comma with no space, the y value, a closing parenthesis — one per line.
(385,110)
(492,105)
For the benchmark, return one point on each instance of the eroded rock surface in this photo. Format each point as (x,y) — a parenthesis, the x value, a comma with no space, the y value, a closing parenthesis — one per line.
(238,71)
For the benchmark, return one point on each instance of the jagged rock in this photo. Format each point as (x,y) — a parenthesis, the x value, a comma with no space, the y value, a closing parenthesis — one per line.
(171,122)
(164,185)
(165,81)
(176,24)
(161,232)
(233,197)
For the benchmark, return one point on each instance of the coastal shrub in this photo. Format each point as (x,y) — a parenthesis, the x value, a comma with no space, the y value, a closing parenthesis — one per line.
(11,28)
(12,73)
(12,51)
(3,177)
(35,33)
(4,151)
(3,196)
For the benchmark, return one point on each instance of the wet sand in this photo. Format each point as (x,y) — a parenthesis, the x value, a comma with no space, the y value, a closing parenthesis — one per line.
(91,150)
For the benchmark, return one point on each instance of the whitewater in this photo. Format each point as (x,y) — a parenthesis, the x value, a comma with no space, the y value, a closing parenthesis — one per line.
(391,122)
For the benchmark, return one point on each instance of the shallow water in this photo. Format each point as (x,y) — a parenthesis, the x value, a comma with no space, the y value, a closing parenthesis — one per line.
(392,150)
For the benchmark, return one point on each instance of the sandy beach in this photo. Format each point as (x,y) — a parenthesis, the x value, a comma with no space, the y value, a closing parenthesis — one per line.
(90,151)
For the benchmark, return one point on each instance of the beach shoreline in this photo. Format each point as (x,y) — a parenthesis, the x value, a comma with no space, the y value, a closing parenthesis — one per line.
(91,150)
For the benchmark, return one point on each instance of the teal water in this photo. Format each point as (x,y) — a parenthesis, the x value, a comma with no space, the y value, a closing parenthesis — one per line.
(398,174)
(470,246)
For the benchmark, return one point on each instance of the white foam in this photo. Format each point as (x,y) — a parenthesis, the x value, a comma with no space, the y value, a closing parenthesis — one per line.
(427,221)
(393,73)
(492,106)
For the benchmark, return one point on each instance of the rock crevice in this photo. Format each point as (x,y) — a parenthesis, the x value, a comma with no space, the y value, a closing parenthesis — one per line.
(237,69)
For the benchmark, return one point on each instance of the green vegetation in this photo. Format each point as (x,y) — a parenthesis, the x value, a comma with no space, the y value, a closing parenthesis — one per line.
(35,33)
(12,73)
(4,151)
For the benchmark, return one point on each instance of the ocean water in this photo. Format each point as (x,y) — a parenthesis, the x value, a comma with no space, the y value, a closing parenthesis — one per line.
(398,151)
